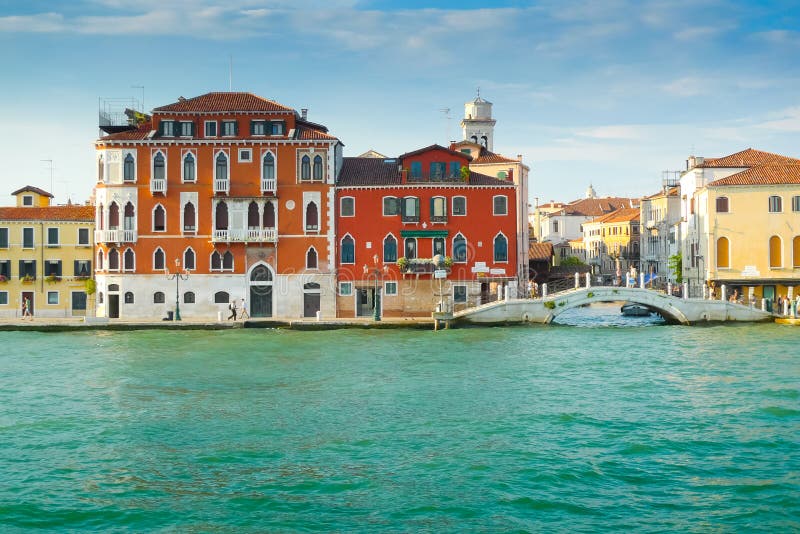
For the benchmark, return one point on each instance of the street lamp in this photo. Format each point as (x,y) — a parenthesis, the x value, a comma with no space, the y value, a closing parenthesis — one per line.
(376,272)
(178,276)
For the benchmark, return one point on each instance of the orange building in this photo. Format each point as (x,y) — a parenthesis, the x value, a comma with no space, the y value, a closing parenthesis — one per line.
(401,219)
(230,188)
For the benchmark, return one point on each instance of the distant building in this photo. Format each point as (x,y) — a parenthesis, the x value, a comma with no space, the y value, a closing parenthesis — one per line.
(612,244)
(540,260)
(660,220)
(45,256)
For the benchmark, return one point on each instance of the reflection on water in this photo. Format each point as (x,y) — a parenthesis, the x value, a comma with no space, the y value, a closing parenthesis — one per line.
(604,314)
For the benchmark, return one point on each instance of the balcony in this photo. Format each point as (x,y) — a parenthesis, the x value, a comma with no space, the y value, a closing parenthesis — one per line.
(240,235)
(115,236)
(222,186)
(409,218)
(158,185)
(438,218)
(268,187)
(435,177)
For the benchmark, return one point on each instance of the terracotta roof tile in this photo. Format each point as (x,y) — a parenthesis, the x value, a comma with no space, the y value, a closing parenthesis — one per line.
(540,251)
(766,174)
(310,134)
(32,189)
(435,147)
(223,101)
(595,207)
(50,213)
(129,135)
(746,158)
(620,215)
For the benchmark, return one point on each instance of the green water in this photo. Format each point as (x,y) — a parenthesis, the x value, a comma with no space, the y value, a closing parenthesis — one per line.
(506,429)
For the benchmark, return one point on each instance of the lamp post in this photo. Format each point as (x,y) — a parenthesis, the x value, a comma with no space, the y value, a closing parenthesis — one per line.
(376,272)
(178,276)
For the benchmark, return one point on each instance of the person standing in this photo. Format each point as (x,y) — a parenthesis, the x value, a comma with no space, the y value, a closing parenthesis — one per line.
(232,308)
(26,309)
(244,310)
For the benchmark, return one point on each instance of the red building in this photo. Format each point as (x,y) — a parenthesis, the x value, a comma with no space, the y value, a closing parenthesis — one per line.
(399,220)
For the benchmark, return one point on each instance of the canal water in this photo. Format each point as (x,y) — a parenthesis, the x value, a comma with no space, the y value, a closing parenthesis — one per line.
(635,425)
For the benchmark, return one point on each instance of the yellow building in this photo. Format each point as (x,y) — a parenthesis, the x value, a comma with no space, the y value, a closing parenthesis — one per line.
(750,231)
(45,256)
(612,244)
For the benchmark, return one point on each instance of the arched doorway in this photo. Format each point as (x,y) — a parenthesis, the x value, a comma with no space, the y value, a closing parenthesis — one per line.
(261,281)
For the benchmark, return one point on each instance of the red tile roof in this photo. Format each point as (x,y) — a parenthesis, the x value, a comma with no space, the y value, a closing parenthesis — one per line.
(130,135)
(32,189)
(311,134)
(435,147)
(540,251)
(766,174)
(375,171)
(620,215)
(222,101)
(50,213)
(490,157)
(746,158)
(595,207)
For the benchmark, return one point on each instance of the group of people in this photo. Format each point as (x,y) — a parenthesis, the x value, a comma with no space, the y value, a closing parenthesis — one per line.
(235,311)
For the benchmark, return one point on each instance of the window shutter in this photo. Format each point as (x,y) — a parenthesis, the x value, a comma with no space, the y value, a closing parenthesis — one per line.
(252,127)
(433,206)
(58,268)
(76,269)
(416,202)
(235,127)
(21,268)
(191,129)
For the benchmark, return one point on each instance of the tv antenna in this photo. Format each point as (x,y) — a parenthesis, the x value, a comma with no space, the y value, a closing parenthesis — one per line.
(446,113)
(143,110)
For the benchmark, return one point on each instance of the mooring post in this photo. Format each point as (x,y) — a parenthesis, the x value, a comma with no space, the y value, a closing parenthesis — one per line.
(641,281)
(544,291)
(763,304)
(751,296)
(724,294)
(705,292)
(686,290)
(669,288)
(588,280)
(577,280)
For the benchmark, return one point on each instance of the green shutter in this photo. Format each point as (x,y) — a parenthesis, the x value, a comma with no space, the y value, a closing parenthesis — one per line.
(433,207)
(417,206)
(75,268)
(21,268)
(252,127)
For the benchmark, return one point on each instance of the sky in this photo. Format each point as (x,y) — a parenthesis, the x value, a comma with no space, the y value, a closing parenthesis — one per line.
(603,92)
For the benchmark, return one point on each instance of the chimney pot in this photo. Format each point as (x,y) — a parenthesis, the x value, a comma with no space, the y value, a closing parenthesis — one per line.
(304,113)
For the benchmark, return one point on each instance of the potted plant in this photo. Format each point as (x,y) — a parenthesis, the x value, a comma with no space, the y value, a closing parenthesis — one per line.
(3,279)
(448,262)
(28,279)
(402,264)
(52,279)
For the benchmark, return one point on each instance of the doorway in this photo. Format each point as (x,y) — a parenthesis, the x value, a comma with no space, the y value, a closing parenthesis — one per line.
(311,299)
(261,291)
(365,302)
(27,295)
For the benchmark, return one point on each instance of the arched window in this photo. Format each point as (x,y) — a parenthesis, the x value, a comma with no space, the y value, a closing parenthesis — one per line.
(189,168)
(269,215)
(216,261)
(221,215)
(775,256)
(305,168)
(410,248)
(129,169)
(128,297)
(130,214)
(312,217)
(775,204)
(474,139)
(188,297)
(311,258)
(128,260)
(189,218)
(722,205)
(159,169)
(159,262)
(221,297)
(101,217)
(796,251)
(99,260)
(318,167)
(227,261)
(188,259)
(113,260)
(500,248)
(159,297)
(113,216)
(389,249)
(723,253)
(221,167)
(268,167)
(459,249)
(252,215)
(261,274)
(348,250)
(159,219)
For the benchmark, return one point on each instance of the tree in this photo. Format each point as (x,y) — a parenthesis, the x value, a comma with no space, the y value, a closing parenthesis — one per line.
(572,261)
(676,266)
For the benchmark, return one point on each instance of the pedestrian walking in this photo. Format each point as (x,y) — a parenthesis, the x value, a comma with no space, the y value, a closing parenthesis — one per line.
(232,308)
(26,309)
(244,310)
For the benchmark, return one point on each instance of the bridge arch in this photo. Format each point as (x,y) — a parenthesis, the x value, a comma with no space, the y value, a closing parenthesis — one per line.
(657,302)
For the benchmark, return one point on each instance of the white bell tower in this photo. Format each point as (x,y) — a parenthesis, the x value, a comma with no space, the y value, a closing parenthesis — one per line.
(478,125)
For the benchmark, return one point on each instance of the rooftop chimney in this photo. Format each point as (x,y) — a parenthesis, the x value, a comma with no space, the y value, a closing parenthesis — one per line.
(304,113)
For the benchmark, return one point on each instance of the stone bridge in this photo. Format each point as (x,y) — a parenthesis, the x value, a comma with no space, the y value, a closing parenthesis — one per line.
(674,310)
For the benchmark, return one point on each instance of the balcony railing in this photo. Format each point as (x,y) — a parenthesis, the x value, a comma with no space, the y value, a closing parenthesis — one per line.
(268,186)
(435,177)
(251,235)
(158,185)
(222,186)
(115,236)
(438,218)
(409,218)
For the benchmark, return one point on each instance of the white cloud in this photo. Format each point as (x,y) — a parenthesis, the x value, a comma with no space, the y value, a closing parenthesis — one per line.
(687,86)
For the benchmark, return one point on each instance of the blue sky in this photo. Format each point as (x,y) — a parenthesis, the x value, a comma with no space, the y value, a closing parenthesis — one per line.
(608,92)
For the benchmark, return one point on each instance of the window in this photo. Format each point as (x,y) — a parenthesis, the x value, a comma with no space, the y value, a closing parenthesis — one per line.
(187,129)
(189,173)
(775,252)
(168,128)
(159,262)
(27,200)
(410,248)
(317,167)
(3,298)
(189,218)
(410,209)
(775,204)
(100,266)
(3,237)
(723,253)
(221,297)
(229,128)
(389,249)
(221,167)
(500,248)
(459,206)
(52,268)
(128,216)
(390,289)
(459,294)
(348,250)
(438,246)
(52,237)
(345,288)
(27,268)
(227,261)
(159,219)
(258,127)
(113,216)
(312,217)
(455,170)
(459,249)
(129,169)
(555,227)
(500,205)
(502,175)
(348,207)
(159,169)
(128,297)
(268,167)
(82,268)
(27,238)
(269,215)
(188,259)
(159,297)
(305,168)
(52,297)
(277,128)
(211,128)
(438,209)
(221,216)
(416,169)
(5,269)
(311,258)
(188,297)
(216,261)
(437,170)
(796,203)
(796,252)
(722,205)
(245,155)
(129,260)
(391,206)
(83,237)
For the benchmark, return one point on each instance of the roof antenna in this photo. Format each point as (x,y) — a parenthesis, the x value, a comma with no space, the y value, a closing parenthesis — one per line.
(446,112)
(230,73)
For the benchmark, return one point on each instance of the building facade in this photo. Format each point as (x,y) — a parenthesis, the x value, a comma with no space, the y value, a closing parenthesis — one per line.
(660,237)
(231,189)
(401,219)
(45,256)
(612,244)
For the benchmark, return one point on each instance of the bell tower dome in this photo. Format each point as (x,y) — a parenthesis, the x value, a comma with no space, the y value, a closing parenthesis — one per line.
(478,125)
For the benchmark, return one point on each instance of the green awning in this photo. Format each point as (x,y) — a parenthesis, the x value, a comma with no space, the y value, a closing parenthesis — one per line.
(423,233)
